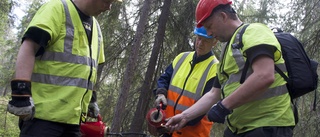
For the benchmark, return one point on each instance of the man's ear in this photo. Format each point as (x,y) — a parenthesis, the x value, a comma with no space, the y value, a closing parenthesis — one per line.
(223,16)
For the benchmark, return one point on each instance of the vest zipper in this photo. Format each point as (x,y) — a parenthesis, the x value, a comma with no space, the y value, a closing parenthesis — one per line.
(89,77)
(184,85)
(90,74)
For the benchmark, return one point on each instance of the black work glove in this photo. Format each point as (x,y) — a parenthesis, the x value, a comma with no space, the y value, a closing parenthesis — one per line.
(21,103)
(161,98)
(93,108)
(218,113)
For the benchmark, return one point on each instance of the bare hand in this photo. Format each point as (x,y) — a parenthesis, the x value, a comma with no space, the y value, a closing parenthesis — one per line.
(176,122)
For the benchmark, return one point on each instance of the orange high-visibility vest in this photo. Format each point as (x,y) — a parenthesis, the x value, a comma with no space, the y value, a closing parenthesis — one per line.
(186,87)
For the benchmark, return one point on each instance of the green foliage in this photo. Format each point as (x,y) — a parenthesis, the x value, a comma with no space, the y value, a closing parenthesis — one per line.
(8,122)
(6,42)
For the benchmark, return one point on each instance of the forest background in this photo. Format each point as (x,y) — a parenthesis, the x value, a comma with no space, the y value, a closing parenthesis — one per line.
(141,38)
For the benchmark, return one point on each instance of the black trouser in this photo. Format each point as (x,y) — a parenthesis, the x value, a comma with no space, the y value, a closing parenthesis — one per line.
(263,132)
(42,128)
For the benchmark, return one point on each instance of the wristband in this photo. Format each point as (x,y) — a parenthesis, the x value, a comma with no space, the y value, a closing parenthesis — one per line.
(224,109)
(20,87)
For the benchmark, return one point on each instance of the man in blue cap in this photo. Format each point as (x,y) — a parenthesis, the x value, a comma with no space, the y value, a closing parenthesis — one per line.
(185,81)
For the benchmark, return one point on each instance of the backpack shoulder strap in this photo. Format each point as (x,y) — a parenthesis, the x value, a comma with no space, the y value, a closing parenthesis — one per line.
(238,45)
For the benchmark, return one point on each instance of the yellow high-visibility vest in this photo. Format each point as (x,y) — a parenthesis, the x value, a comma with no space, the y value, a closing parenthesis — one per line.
(271,109)
(64,76)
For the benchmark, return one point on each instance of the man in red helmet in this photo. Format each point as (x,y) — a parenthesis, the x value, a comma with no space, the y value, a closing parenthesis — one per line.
(260,106)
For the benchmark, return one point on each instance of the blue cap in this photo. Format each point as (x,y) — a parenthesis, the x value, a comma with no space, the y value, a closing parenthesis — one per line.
(201,32)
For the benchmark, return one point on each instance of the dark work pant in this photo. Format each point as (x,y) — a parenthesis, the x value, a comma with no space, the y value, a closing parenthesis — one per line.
(263,132)
(42,128)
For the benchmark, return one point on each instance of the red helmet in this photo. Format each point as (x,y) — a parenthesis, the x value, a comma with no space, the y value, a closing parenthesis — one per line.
(205,7)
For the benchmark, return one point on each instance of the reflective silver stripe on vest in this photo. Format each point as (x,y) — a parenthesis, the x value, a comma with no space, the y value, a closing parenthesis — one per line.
(68,57)
(68,40)
(61,81)
(99,42)
(189,94)
(272,92)
(179,107)
(235,78)
(203,80)
(185,93)
(179,63)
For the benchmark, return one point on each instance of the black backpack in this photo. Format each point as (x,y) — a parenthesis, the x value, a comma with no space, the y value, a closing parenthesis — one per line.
(302,71)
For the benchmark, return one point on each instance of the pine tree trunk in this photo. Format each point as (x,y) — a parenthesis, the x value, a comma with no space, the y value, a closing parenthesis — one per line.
(146,91)
(129,72)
